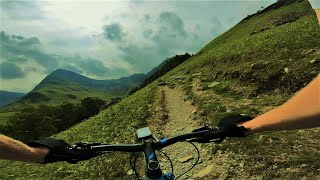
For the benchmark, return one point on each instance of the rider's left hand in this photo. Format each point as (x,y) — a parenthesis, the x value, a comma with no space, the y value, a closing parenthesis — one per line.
(59,150)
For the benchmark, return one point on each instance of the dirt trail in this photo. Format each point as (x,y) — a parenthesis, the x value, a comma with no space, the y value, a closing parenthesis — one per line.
(181,113)
(182,118)
(173,114)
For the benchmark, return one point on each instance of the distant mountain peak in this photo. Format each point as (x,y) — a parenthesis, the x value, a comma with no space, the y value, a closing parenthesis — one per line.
(59,70)
(65,75)
(64,78)
(63,72)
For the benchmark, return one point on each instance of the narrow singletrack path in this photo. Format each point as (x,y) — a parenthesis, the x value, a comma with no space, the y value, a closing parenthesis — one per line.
(181,119)
(174,115)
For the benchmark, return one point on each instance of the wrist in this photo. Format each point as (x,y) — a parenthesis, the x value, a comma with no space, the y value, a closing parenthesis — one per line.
(39,154)
(251,127)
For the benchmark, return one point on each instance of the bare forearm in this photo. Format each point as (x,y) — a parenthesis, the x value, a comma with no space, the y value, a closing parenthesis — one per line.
(15,150)
(299,112)
(281,119)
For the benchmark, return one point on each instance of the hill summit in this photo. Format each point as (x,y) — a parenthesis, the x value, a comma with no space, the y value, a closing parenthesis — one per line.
(113,87)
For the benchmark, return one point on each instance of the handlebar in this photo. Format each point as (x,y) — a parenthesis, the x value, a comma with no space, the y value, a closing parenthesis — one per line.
(148,146)
(201,135)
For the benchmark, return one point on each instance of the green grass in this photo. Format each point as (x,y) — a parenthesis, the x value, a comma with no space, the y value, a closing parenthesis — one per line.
(279,47)
(58,94)
(4,117)
(228,59)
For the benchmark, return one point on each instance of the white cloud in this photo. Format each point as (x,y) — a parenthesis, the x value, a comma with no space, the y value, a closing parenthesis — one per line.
(85,14)
(69,28)
(28,82)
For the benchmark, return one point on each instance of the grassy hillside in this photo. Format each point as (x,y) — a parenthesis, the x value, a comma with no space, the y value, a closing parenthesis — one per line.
(51,95)
(55,95)
(166,66)
(4,116)
(236,72)
(62,85)
(115,125)
(116,87)
(251,74)
(261,58)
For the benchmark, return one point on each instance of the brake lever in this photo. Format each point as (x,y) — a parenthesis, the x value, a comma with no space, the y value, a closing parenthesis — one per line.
(83,146)
(204,139)
(83,149)
(206,128)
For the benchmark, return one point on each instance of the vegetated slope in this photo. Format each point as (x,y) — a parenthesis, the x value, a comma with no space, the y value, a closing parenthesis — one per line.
(4,117)
(166,66)
(7,97)
(114,87)
(236,72)
(62,85)
(117,124)
(250,69)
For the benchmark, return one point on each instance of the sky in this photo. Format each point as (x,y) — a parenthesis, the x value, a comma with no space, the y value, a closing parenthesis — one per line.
(105,39)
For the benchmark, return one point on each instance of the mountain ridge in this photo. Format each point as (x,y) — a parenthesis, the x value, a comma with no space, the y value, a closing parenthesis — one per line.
(101,85)
(64,85)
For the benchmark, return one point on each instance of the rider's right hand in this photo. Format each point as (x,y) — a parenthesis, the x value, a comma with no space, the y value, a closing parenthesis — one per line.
(59,150)
(228,126)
